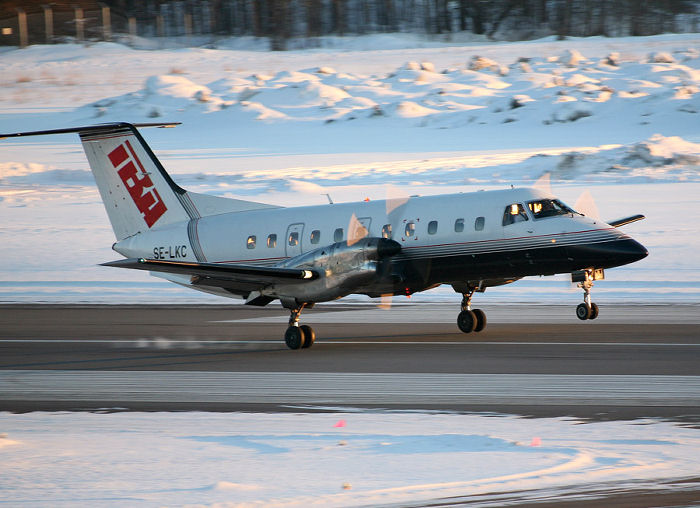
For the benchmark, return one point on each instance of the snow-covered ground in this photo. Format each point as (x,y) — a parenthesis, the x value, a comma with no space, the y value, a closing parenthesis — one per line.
(327,459)
(617,117)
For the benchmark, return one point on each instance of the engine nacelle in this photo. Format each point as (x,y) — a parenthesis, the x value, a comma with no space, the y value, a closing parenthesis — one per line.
(342,269)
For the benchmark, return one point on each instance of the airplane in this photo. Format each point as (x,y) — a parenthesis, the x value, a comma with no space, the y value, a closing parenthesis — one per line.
(309,254)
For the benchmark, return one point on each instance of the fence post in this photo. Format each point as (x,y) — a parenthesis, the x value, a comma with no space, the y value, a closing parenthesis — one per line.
(132,28)
(48,23)
(79,20)
(22,21)
(188,26)
(106,22)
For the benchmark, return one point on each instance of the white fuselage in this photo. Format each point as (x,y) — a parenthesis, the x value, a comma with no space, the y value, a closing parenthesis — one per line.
(432,230)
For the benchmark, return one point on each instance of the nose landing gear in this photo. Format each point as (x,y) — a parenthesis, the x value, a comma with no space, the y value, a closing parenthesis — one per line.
(469,320)
(585,278)
(296,336)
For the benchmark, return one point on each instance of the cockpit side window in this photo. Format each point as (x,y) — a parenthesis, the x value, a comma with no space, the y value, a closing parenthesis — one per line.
(514,213)
(548,208)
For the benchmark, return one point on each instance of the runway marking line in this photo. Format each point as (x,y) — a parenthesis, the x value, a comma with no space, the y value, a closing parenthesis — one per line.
(156,340)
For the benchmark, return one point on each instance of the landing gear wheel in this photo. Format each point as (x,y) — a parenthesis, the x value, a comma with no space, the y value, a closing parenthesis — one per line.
(583,311)
(480,316)
(309,336)
(594,311)
(294,337)
(466,321)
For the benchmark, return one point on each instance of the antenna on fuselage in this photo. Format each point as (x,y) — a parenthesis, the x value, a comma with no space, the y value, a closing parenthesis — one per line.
(330,201)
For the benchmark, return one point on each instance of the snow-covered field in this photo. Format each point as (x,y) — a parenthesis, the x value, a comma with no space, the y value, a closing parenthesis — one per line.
(328,459)
(617,117)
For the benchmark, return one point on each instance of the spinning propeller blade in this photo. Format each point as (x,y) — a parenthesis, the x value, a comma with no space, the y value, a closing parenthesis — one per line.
(544,183)
(585,204)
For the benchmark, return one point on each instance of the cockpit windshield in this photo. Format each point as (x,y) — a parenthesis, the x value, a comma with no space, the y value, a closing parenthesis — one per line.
(548,208)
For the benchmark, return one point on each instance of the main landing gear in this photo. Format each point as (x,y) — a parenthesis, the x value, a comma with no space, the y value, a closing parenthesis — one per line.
(296,336)
(585,278)
(469,320)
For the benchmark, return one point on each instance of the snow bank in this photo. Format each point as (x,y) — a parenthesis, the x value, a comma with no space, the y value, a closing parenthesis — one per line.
(563,87)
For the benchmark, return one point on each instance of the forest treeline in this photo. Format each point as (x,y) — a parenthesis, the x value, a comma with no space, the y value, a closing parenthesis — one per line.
(281,20)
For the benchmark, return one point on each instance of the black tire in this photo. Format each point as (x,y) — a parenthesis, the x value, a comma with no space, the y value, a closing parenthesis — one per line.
(583,311)
(480,320)
(294,337)
(466,321)
(594,311)
(309,336)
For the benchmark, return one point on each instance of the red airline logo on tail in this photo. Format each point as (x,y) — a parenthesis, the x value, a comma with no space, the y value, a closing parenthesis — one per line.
(138,183)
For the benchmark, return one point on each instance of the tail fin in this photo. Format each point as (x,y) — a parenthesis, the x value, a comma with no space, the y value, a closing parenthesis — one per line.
(137,192)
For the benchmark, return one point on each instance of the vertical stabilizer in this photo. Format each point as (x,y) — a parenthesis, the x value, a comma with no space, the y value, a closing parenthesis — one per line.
(137,192)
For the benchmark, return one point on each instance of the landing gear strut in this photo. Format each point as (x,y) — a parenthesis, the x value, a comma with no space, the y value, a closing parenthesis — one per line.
(469,320)
(585,278)
(298,337)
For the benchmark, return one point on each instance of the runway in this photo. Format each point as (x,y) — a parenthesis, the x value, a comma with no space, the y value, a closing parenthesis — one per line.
(630,362)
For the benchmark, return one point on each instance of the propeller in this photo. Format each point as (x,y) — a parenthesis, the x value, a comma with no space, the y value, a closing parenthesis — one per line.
(356,230)
(544,183)
(394,201)
(585,204)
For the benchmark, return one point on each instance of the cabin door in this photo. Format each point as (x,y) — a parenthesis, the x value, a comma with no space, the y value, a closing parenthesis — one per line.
(293,239)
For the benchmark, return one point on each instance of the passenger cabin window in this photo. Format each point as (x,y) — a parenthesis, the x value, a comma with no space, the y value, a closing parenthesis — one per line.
(548,208)
(432,227)
(294,238)
(459,225)
(386,231)
(514,213)
(315,236)
(250,243)
(479,224)
(338,235)
(410,229)
(271,241)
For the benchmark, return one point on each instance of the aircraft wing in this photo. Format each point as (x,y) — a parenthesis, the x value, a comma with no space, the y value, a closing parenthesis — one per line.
(238,279)
(627,220)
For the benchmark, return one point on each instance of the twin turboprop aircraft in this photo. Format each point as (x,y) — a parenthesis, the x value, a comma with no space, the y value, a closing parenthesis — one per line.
(309,254)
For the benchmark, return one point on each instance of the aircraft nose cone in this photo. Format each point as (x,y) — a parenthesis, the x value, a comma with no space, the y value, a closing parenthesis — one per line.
(623,252)
(386,248)
(638,251)
(608,254)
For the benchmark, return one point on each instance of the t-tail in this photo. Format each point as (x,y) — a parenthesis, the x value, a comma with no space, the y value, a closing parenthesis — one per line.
(137,192)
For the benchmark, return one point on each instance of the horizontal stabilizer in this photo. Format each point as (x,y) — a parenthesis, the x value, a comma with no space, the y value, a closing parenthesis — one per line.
(627,220)
(88,129)
(220,274)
